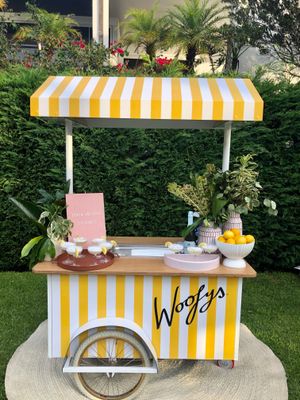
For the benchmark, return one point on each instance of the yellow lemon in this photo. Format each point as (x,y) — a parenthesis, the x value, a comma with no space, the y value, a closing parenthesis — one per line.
(167,244)
(221,239)
(240,240)
(249,238)
(104,250)
(230,241)
(228,235)
(114,243)
(236,231)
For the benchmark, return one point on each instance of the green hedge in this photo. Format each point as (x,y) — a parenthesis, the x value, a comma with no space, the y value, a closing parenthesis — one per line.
(133,167)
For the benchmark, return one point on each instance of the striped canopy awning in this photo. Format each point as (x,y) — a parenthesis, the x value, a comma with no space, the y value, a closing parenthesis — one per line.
(138,98)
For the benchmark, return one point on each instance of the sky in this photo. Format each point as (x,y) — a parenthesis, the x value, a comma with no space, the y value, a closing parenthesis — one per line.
(78,7)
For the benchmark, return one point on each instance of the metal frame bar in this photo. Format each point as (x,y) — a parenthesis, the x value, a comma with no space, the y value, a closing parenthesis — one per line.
(69,152)
(69,147)
(226,146)
(69,368)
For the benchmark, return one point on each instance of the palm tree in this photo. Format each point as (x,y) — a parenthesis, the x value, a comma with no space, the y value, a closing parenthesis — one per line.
(144,29)
(190,26)
(49,30)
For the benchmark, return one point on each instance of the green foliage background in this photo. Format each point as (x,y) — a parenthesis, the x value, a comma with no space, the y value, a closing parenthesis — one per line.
(133,167)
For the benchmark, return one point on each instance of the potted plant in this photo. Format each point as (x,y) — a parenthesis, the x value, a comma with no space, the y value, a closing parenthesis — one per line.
(47,214)
(204,196)
(241,188)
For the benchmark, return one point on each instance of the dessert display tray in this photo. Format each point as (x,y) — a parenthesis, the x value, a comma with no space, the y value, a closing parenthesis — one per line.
(84,262)
(192,263)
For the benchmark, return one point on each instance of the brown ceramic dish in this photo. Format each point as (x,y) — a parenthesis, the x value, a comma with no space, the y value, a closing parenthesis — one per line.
(85,262)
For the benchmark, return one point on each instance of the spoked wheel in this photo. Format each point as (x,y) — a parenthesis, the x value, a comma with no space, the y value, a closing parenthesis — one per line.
(111,348)
(227,364)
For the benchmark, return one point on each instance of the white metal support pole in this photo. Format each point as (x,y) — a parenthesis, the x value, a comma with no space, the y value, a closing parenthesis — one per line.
(96,20)
(226,146)
(69,153)
(105,24)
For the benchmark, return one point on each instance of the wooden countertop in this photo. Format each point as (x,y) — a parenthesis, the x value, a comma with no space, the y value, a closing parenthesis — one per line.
(153,266)
(144,265)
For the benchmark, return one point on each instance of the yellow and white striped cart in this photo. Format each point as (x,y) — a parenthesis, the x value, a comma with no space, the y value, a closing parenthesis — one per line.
(114,324)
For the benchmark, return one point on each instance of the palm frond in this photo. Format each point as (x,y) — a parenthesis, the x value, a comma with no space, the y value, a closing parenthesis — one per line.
(143,29)
(2,4)
(192,23)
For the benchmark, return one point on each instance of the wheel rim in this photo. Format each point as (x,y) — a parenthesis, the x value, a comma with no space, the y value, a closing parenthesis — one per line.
(111,350)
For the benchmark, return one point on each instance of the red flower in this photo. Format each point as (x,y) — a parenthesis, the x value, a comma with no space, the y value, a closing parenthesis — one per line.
(120,51)
(79,43)
(119,67)
(163,61)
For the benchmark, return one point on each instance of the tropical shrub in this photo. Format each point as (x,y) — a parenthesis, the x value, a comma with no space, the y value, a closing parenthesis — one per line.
(133,167)
(143,29)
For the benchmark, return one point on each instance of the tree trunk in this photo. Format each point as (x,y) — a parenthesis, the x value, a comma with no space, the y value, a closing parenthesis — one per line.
(190,58)
(212,64)
(235,64)
(228,60)
(150,50)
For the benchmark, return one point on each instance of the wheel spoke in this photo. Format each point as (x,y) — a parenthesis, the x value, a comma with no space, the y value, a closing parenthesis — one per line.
(120,349)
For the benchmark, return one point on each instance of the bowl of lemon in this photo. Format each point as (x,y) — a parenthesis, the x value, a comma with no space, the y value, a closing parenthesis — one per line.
(235,247)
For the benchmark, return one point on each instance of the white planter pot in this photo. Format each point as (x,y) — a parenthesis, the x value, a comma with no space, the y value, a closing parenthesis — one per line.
(209,234)
(234,221)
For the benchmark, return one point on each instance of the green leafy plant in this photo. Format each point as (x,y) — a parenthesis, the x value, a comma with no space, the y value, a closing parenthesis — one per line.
(47,216)
(203,195)
(242,188)
(49,31)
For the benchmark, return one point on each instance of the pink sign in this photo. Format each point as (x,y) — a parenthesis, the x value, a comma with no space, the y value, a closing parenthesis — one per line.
(86,211)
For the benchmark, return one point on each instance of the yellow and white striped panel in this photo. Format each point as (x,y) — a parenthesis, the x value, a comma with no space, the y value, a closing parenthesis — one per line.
(187,330)
(219,99)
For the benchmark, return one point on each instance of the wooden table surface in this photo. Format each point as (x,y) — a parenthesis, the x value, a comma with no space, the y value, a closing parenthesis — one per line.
(153,266)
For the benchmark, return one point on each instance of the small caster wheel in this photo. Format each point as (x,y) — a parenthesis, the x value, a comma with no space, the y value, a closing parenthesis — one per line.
(228,364)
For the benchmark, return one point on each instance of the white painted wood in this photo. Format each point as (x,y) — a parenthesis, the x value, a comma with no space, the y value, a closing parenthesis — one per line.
(121,370)
(49,292)
(69,153)
(105,24)
(96,20)
(220,322)
(164,328)
(238,319)
(226,146)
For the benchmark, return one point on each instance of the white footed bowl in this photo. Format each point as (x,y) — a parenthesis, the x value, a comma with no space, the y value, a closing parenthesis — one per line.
(94,250)
(235,253)
(106,244)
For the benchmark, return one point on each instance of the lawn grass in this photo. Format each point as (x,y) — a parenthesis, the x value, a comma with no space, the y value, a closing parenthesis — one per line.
(271,309)
(271,305)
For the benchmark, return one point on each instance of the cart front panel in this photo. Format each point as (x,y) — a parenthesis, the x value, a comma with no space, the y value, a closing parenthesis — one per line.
(184,317)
